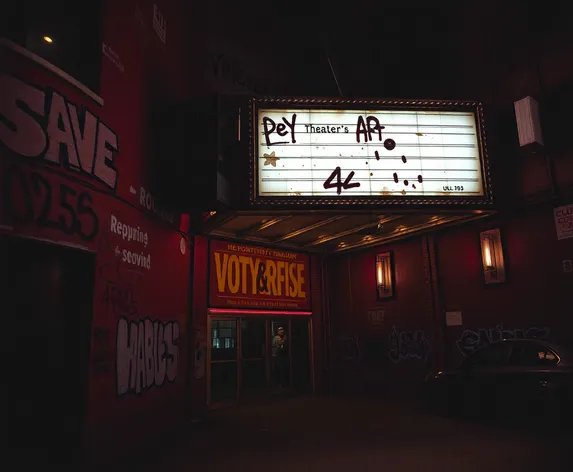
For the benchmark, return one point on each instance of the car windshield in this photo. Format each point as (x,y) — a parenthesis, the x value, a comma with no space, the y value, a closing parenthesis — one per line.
(514,353)
(494,354)
(531,353)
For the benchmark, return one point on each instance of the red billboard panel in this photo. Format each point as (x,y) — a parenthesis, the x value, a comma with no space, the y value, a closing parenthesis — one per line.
(244,276)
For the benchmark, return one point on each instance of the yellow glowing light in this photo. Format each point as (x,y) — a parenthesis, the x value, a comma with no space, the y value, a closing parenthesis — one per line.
(488,253)
(384,275)
(488,261)
(48,39)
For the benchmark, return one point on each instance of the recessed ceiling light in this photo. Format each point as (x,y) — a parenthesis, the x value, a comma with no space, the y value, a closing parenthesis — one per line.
(48,39)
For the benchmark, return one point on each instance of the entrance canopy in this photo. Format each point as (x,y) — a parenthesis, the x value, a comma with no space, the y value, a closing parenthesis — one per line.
(327,232)
(330,175)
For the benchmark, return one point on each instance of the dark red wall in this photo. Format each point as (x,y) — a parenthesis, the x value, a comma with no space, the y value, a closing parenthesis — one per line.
(367,355)
(118,418)
(536,293)
(444,272)
(320,324)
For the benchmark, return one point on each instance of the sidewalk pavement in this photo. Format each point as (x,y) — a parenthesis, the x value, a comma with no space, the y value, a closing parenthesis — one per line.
(350,433)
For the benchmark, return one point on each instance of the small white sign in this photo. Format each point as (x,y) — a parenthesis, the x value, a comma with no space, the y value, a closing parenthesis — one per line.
(376,317)
(453,318)
(159,24)
(528,123)
(564,221)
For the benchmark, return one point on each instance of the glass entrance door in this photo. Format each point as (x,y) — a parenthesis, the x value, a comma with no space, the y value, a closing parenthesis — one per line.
(254,358)
(223,361)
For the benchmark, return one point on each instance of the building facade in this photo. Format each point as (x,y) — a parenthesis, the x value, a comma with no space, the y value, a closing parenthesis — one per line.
(137,317)
(103,286)
(98,269)
(444,309)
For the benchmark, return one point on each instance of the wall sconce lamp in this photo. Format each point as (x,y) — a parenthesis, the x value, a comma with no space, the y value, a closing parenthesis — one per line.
(492,256)
(384,275)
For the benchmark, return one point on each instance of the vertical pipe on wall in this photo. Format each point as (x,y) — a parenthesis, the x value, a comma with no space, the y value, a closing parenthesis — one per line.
(199,320)
(436,300)
(349,281)
(326,332)
(190,333)
(537,58)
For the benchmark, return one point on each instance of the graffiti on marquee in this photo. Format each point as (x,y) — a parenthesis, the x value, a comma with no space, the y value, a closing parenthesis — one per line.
(147,353)
(408,345)
(367,129)
(471,340)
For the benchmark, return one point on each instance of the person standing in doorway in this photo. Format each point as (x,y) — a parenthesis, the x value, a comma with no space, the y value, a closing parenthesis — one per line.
(280,357)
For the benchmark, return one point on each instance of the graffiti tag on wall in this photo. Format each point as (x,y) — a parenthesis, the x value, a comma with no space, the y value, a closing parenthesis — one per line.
(146,354)
(31,197)
(42,124)
(119,287)
(471,340)
(413,345)
(350,347)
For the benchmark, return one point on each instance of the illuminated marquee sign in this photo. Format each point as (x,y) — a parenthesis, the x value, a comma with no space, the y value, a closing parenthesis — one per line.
(371,152)
(254,277)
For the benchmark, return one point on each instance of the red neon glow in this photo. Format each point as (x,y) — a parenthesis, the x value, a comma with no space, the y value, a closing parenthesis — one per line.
(223,311)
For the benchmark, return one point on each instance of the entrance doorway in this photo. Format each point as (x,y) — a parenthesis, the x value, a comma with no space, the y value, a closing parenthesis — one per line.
(47,298)
(249,360)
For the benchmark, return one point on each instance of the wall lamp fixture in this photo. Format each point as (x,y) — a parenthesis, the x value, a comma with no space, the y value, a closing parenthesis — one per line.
(492,256)
(384,275)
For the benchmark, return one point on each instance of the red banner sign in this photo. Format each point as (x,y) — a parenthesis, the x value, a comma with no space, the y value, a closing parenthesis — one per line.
(255,277)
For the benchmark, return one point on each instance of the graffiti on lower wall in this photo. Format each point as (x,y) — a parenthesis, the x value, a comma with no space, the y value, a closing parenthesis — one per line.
(471,340)
(146,354)
(408,345)
(350,347)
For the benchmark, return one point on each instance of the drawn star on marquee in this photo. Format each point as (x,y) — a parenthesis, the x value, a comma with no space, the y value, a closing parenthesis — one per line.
(271,159)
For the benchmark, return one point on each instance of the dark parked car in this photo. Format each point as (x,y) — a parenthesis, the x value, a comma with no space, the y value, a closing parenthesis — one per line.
(510,378)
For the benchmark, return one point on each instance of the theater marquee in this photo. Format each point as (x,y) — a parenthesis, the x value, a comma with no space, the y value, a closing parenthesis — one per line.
(317,151)
(255,277)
